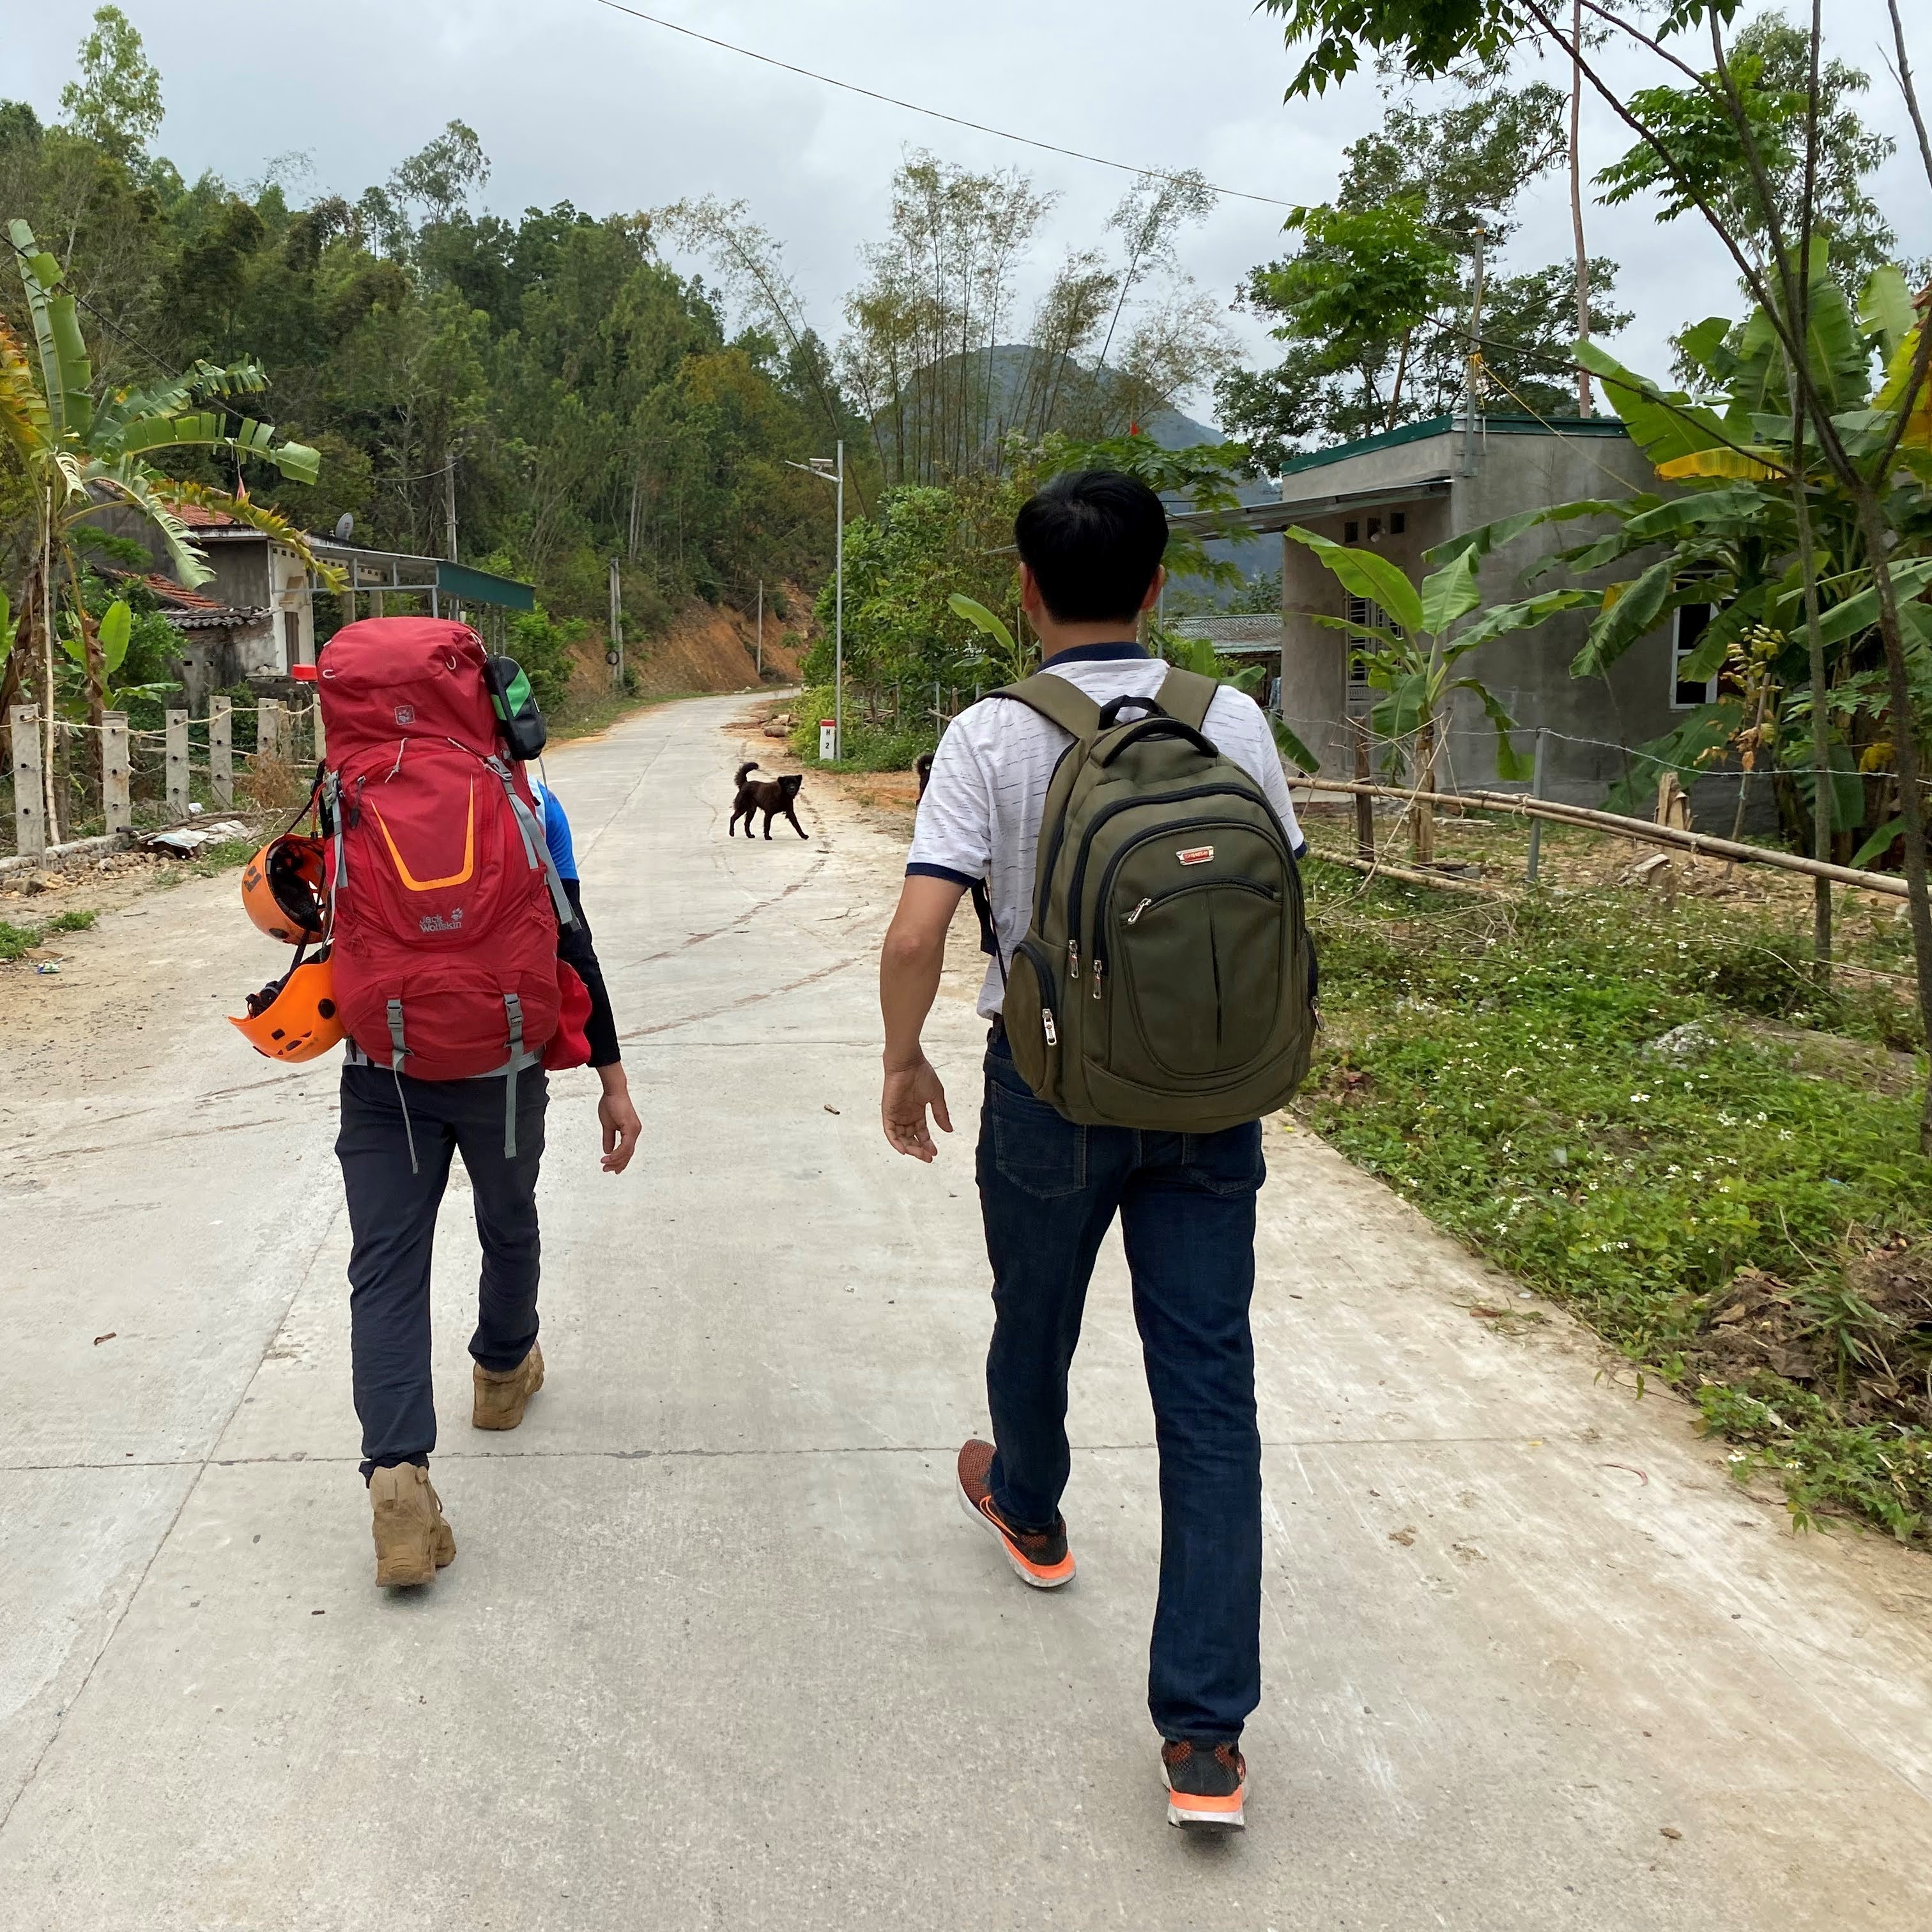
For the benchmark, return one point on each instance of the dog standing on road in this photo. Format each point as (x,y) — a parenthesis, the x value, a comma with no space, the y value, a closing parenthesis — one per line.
(769,796)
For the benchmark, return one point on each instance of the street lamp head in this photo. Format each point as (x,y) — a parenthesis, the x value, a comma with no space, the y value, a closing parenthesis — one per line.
(824,466)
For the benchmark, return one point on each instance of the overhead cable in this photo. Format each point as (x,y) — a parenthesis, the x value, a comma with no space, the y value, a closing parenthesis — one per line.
(934,113)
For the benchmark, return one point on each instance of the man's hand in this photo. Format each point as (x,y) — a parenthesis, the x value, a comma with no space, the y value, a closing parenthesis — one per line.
(618,1118)
(909,968)
(909,1091)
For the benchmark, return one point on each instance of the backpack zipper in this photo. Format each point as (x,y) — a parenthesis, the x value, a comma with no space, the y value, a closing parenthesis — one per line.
(1162,832)
(1131,805)
(1201,885)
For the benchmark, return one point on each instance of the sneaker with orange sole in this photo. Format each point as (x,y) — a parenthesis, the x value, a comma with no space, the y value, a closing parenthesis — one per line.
(1206,1784)
(1041,1559)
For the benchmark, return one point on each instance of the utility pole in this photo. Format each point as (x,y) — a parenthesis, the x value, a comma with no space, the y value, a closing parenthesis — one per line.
(449,505)
(617,627)
(1475,363)
(838,616)
(1576,197)
(761,627)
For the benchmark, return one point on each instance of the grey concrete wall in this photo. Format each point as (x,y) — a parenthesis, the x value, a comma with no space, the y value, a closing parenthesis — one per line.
(1529,671)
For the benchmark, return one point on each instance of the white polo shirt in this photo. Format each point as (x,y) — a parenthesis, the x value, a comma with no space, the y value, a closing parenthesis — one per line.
(981,814)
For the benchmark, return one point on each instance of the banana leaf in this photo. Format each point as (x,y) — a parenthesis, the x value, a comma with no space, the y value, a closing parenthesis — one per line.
(1368,574)
(1664,424)
(1449,593)
(1629,610)
(1511,765)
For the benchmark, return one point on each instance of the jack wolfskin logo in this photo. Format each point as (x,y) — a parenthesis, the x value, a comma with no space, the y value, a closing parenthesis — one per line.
(1195,855)
(436,922)
(406,714)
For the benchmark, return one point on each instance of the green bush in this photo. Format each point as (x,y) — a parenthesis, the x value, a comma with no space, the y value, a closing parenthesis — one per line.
(868,748)
(542,645)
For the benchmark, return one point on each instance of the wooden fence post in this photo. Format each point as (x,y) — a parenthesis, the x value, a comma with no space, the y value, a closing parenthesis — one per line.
(177,763)
(318,737)
(114,800)
(30,824)
(221,750)
(1365,806)
(267,728)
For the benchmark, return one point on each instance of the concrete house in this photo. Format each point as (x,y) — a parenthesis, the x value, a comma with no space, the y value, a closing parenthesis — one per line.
(253,621)
(1404,492)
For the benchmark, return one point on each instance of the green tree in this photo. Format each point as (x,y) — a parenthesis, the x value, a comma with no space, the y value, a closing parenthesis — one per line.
(115,101)
(1702,154)
(1879,454)
(1375,307)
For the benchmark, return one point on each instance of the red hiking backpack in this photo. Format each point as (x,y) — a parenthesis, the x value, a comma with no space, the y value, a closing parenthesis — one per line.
(444,905)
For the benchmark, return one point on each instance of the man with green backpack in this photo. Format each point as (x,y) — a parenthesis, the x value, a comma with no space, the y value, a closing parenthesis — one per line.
(1126,832)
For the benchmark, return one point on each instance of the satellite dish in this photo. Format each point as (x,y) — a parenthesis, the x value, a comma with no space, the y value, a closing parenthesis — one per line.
(345,527)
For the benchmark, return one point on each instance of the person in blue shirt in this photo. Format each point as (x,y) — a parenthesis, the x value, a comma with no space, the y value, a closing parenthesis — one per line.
(574,944)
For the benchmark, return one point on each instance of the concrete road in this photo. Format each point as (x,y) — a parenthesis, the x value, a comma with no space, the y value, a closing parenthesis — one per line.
(718,1649)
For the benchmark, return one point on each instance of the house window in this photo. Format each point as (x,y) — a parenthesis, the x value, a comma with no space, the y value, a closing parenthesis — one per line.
(1690,621)
(1350,532)
(1398,523)
(1366,615)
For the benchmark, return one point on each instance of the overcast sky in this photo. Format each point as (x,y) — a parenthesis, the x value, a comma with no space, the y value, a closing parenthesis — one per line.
(574,102)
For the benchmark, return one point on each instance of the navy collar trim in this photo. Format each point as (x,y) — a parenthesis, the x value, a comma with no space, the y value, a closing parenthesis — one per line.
(1095,654)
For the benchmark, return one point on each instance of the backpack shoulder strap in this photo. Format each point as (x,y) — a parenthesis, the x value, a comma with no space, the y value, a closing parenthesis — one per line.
(1186,694)
(1056,701)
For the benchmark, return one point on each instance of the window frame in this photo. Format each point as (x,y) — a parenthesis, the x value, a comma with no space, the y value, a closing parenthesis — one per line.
(1680,650)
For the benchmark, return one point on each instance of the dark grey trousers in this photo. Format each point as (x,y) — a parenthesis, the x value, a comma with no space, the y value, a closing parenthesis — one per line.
(392,1209)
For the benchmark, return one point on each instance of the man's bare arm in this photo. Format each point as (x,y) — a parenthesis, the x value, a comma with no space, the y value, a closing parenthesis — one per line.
(910,963)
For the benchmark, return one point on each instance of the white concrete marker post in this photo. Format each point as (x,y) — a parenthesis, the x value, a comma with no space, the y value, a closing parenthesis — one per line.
(267,728)
(828,740)
(177,763)
(221,750)
(30,824)
(114,803)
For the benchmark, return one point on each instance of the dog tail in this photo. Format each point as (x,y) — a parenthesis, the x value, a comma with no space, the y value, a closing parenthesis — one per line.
(749,765)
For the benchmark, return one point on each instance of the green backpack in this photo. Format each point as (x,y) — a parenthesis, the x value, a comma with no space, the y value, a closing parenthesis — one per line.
(1166,980)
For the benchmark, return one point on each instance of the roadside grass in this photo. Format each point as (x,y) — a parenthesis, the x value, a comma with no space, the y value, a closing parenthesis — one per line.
(1655,1116)
(227,856)
(17,941)
(868,747)
(583,717)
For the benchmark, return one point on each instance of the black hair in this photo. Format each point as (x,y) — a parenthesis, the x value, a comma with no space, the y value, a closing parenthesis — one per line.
(1093,539)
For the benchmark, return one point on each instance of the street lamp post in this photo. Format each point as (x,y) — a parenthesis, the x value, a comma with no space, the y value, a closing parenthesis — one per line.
(833,471)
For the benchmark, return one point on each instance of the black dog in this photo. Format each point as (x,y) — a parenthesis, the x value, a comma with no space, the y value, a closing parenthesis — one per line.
(769,796)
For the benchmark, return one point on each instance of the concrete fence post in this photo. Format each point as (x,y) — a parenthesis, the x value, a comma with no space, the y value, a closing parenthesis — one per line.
(221,750)
(114,803)
(30,823)
(177,763)
(318,737)
(267,728)
(1538,788)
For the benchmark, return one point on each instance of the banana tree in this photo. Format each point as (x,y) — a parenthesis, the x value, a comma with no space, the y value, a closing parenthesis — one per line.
(78,453)
(1729,538)
(1412,665)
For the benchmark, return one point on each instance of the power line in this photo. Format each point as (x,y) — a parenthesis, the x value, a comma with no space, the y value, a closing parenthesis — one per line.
(934,113)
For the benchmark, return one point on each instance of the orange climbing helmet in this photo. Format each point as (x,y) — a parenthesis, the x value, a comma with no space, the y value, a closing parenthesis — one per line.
(294,1018)
(282,890)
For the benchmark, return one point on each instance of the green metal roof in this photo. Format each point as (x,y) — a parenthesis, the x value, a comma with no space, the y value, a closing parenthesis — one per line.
(1496,425)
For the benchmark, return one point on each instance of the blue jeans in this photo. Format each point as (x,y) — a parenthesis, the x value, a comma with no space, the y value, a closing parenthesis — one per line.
(1049,1190)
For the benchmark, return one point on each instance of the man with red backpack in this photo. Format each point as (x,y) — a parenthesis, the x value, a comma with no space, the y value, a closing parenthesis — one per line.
(462,968)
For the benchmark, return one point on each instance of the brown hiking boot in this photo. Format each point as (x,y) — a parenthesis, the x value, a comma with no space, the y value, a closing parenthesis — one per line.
(413,1541)
(501,1393)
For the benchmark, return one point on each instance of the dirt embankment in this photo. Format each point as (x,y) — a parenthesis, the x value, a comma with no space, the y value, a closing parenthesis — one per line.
(708,647)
